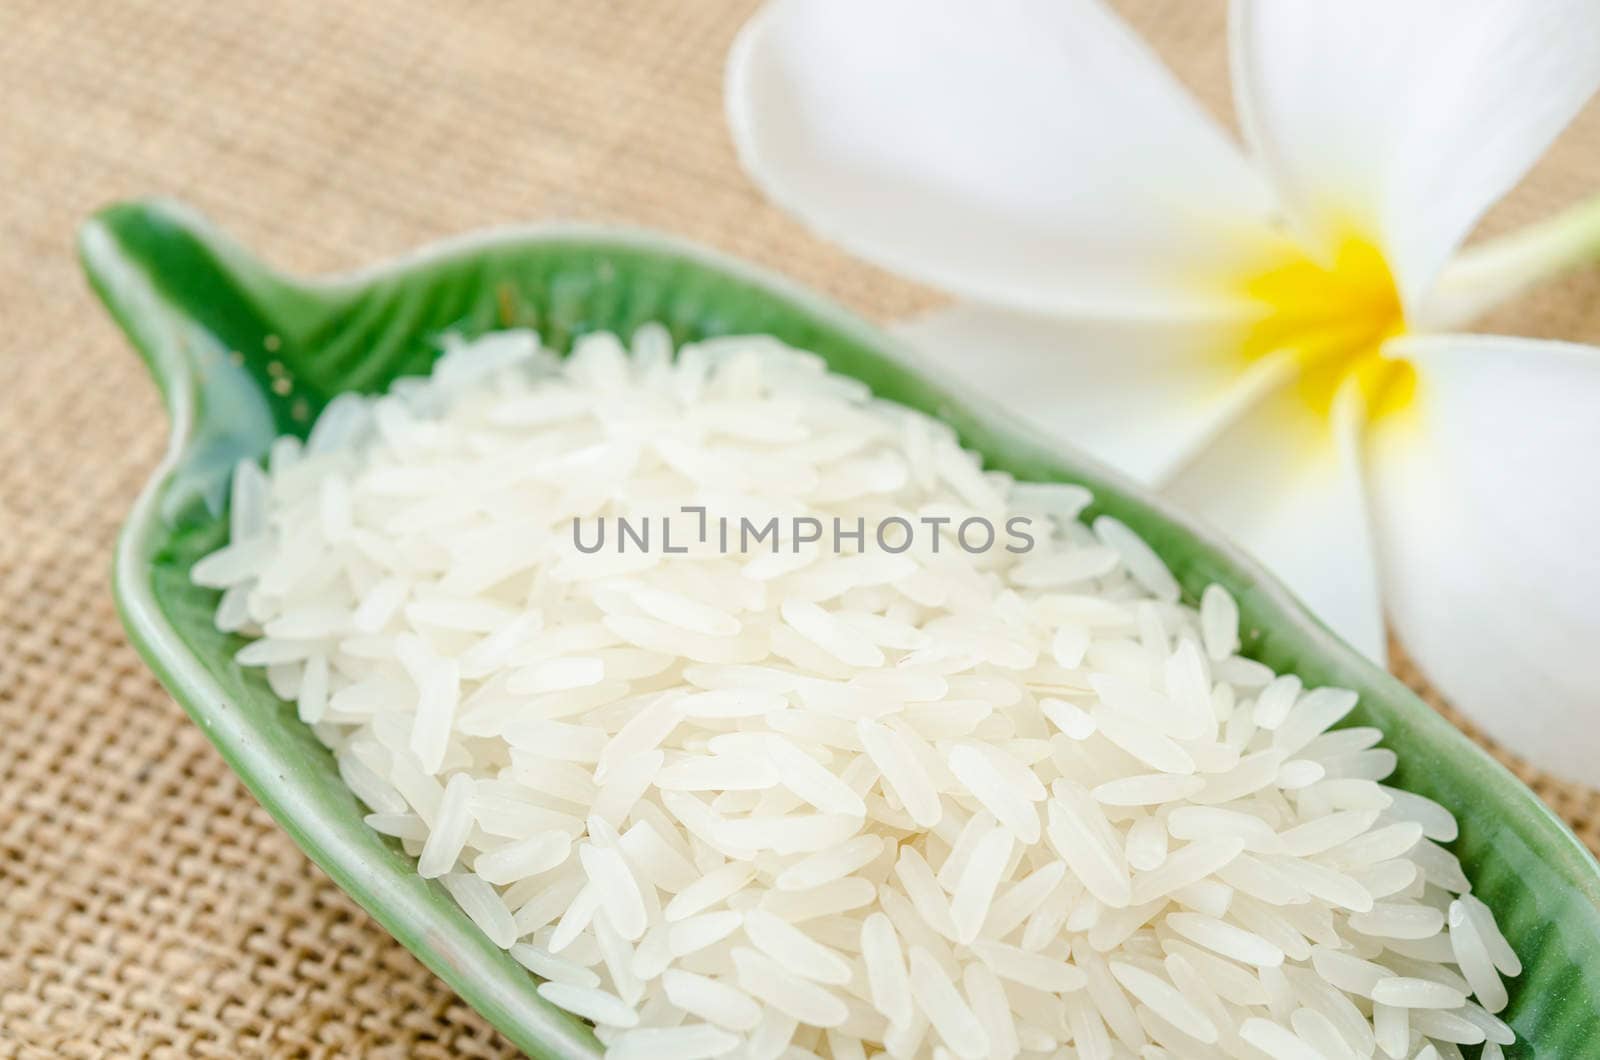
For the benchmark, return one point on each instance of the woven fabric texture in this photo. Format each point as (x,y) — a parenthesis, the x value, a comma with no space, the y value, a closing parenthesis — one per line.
(148,907)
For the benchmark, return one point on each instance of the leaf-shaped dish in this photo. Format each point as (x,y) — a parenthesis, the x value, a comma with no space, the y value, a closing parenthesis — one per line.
(244,354)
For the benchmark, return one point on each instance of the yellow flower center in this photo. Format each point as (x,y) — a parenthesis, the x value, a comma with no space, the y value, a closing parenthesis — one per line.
(1333,320)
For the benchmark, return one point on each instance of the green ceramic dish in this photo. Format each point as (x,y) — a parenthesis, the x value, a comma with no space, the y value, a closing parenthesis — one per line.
(243,354)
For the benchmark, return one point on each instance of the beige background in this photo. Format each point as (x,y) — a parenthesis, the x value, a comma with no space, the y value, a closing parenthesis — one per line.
(147,905)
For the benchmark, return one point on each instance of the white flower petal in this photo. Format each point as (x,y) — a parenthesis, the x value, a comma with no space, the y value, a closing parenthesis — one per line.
(1142,395)
(1487,514)
(1026,153)
(1406,121)
(1286,483)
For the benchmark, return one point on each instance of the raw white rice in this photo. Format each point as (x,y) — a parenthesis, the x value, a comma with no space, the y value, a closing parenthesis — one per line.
(710,999)
(945,1009)
(548,966)
(794,949)
(450,828)
(591,1003)
(693,1042)
(782,801)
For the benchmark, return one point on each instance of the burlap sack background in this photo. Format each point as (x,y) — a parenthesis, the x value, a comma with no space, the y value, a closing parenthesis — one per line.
(147,905)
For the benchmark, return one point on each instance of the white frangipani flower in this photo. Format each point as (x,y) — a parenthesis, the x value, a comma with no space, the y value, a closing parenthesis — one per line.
(1269,337)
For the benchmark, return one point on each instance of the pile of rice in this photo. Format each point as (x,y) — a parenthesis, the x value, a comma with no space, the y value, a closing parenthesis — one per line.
(799,803)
